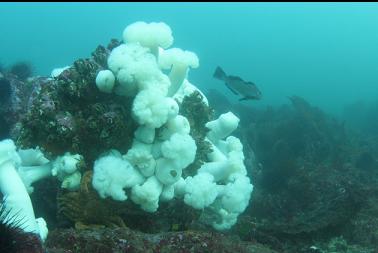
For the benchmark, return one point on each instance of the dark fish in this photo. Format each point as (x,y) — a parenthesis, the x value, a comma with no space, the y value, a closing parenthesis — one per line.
(238,86)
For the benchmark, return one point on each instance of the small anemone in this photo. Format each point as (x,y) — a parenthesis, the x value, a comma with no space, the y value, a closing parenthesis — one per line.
(13,238)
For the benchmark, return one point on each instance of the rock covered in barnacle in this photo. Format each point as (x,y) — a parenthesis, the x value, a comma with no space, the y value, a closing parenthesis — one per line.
(69,113)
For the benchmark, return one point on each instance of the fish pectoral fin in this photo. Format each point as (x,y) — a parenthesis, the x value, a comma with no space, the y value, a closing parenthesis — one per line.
(244,98)
(247,98)
(251,83)
(231,89)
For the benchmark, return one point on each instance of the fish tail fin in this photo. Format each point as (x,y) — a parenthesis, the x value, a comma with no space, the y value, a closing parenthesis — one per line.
(219,74)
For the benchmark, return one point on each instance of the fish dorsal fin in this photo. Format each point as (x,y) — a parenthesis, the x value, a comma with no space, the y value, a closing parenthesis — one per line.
(219,74)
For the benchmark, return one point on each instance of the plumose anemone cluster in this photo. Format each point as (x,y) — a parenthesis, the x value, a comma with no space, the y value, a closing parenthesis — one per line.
(152,170)
(166,141)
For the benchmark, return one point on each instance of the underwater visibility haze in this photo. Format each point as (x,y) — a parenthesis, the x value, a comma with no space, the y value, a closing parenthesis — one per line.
(189,127)
(324,51)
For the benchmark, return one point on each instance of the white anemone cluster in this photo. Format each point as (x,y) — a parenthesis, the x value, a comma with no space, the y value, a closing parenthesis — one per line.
(16,200)
(20,169)
(152,169)
(221,185)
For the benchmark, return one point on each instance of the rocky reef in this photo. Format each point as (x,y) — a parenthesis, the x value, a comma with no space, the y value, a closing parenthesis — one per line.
(126,240)
(139,160)
(315,180)
(119,141)
(68,113)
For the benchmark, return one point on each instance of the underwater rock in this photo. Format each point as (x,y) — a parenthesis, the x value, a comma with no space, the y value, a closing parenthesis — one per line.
(84,208)
(366,161)
(198,114)
(306,183)
(304,156)
(22,70)
(362,228)
(69,113)
(12,236)
(14,98)
(5,93)
(125,240)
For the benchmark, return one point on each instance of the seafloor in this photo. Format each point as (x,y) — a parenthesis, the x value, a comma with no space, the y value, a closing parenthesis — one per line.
(315,179)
